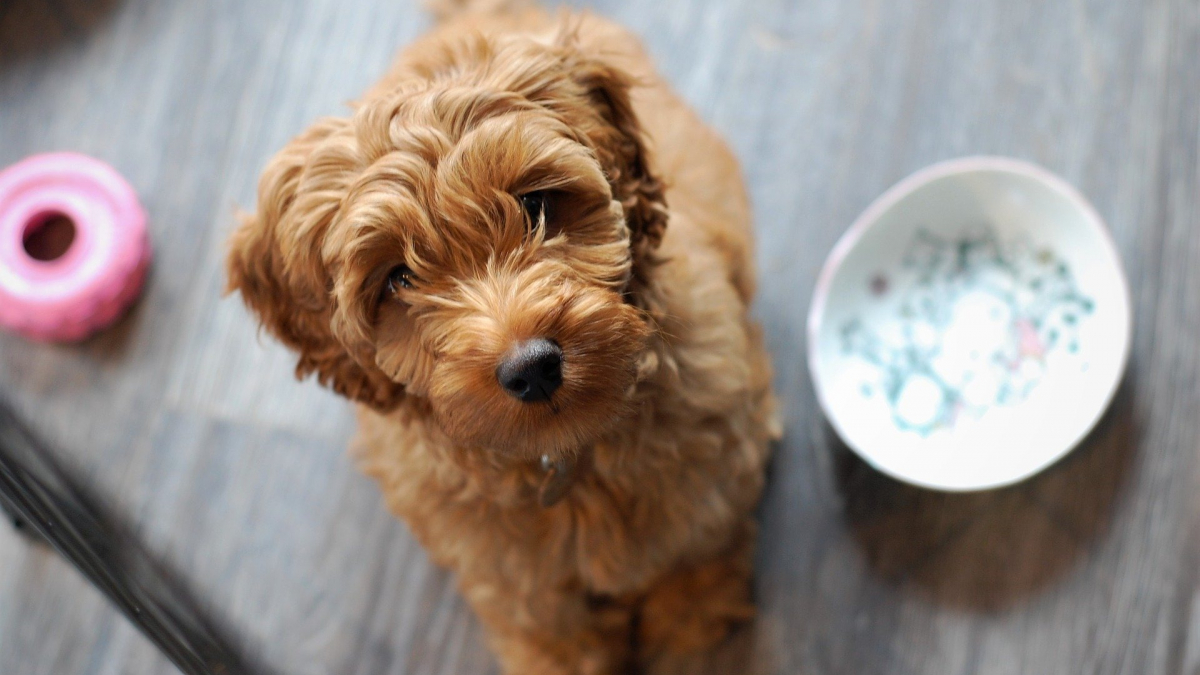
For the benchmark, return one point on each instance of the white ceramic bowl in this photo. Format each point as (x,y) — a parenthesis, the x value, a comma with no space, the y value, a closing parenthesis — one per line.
(972,325)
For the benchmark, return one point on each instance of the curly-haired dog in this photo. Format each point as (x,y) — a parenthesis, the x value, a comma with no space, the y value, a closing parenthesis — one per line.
(531,264)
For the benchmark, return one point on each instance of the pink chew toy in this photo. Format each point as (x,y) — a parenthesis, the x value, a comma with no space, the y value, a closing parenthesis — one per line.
(73,246)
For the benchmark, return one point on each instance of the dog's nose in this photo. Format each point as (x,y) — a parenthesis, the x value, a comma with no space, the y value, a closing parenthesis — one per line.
(531,370)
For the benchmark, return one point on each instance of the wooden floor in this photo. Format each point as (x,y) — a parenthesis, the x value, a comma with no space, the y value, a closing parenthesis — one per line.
(192,426)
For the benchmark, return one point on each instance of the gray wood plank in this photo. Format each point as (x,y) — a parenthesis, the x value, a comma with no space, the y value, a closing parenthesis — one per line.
(193,427)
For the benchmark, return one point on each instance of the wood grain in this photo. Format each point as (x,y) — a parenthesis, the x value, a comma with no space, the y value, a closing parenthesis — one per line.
(191,425)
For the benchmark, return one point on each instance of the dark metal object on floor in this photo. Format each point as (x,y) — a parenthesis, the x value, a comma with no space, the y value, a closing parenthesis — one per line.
(39,497)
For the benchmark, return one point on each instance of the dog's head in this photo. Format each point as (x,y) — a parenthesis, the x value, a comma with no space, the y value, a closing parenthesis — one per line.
(476,236)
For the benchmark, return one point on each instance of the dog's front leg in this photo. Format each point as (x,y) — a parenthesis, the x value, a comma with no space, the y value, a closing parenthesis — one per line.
(692,608)
(552,631)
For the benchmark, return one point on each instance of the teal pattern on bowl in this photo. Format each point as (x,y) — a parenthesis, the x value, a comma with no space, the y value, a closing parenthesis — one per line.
(972,322)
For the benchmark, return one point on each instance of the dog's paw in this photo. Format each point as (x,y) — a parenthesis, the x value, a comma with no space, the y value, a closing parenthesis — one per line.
(590,654)
(693,610)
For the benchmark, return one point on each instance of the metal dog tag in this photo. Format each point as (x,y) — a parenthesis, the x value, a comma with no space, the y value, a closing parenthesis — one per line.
(560,476)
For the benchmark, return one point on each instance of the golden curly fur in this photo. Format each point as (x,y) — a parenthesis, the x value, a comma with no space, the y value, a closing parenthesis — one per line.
(640,269)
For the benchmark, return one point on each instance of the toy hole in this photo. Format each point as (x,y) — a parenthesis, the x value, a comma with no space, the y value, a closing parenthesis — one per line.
(49,236)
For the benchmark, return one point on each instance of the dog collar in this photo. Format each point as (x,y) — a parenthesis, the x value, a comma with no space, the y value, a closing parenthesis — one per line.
(560,476)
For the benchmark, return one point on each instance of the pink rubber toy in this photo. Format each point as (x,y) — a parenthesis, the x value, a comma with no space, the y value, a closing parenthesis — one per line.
(89,285)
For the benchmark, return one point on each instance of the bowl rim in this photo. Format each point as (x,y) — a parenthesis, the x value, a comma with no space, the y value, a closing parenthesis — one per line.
(884,203)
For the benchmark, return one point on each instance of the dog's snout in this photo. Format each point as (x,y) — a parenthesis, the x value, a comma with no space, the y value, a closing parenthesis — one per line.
(532,370)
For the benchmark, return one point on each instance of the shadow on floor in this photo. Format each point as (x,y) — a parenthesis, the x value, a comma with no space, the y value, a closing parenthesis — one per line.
(32,27)
(113,343)
(990,550)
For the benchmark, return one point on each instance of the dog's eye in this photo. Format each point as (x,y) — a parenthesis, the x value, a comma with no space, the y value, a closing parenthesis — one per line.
(400,277)
(535,205)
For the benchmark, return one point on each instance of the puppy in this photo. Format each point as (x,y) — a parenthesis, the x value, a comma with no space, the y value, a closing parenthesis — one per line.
(531,264)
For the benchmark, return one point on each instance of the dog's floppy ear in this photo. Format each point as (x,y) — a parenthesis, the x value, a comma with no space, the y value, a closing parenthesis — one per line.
(621,148)
(274,259)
